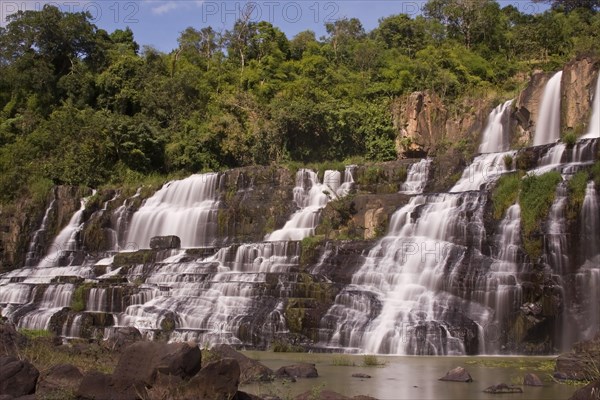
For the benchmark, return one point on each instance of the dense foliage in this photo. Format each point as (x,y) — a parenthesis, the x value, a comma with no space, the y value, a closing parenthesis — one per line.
(82,106)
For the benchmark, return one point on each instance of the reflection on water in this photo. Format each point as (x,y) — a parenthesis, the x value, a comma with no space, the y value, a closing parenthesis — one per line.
(412,377)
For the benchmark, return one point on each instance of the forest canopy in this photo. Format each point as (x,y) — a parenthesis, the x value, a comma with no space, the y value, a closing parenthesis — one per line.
(82,106)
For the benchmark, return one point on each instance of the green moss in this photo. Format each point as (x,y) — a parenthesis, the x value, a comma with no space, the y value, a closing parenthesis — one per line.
(308,249)
(79,297)
(505,194)
(569,139)
(537,196)
(525,161)
(371,176)
(138,257)
(577,186)
(35,333)
(294,317)
(595,172)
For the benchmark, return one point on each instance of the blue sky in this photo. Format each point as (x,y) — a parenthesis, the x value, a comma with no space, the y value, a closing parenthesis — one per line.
(158,23)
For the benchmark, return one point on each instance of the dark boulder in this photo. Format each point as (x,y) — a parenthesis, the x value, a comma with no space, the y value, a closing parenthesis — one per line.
(323,395)
(142,361)
(98,386)
(59,378)
(303,370)
(580,363)
(165,242)
(17,377)
(250,370)
(503,388)
(245,396)
(532,380)
(123,337)
(458,374)
(361,375)
(219,380)
(588,392)
(10,339)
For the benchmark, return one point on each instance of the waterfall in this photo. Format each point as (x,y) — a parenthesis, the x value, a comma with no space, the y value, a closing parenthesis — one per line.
(556,238)
(484,169)
(548,124)
(311,196)
(594,127)
(417,176)
(33,255)
(55,298)
(186,208)
(496,133)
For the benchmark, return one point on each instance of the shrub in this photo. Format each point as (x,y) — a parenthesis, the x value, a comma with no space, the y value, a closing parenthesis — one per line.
(505,194)
(569,139)
(508,161)
(577,186)
(369,360)
(308,248)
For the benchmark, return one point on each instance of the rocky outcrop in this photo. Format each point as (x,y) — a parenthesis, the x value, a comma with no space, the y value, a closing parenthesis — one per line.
(165,242)
(532,380)
(219,380)
(502,388)
(590,391)
(581,363)
(458,374)
(10,339)
(304,370)
(577,90)
(17,377)
(526,108)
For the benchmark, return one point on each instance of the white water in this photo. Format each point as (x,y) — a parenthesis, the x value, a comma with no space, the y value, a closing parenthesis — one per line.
(55,298)
(417,176)
(311,197)
(594,126)
(484,169)
(496,134)
(186,208)
(548,124)
(556,238)
(32,252)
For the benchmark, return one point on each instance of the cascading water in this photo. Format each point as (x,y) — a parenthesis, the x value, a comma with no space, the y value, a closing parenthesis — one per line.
(496,134)
(483,170)
(417,176)
(548,124)
(556,238)
(55,298)
(186,208)
(594,127)
(33,251)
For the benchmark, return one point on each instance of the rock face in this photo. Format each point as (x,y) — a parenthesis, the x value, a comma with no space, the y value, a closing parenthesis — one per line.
(527,108)
(532,380)
(59,378)
(17,377)
(217,381)
(458,374)
(142,361)
(588,392)
(578,84)
(250,370)
(297,371)
(503,388)
(165,242)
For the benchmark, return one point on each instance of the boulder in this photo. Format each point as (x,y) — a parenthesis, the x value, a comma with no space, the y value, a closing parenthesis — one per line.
(458,374)
(588,392)
(303,370)
(503,388)
(361,375)
(123,337)
(142,361)
(219,380)
(250,370)
(580,363)
(532,380)
(10,339)
(59,378)
(245,396)
(165,242)
(17,377)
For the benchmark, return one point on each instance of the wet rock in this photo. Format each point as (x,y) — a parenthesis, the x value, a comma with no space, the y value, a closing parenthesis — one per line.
(503,388)
(219,380)
(303,370)
(532,380)
(323,395)
(10,339)
(165,242)
(458,374)
(17,377)
(588,392)
(59,378)
(141,361)
(250,370)
(361,375)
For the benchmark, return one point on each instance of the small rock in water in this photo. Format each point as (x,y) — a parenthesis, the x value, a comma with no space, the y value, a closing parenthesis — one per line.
(532,380)
(458,374)
(361,375)
(503,388)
